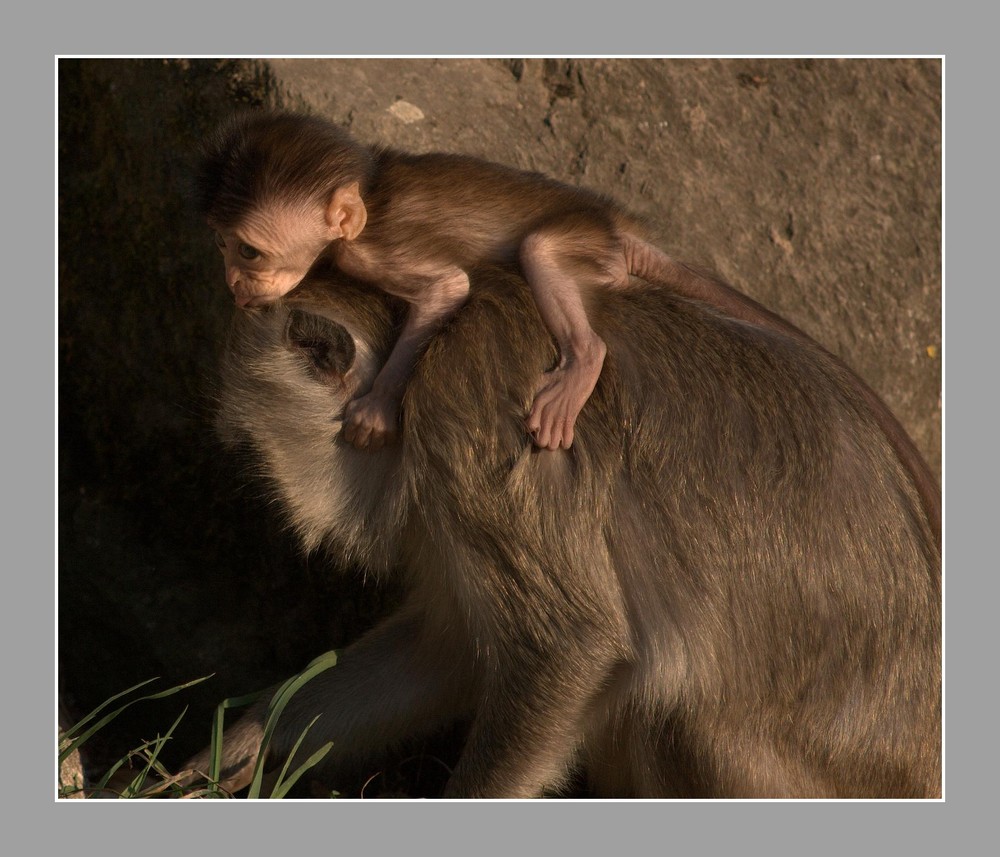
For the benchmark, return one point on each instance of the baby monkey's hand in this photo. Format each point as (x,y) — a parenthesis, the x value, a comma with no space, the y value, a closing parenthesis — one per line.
(372,421)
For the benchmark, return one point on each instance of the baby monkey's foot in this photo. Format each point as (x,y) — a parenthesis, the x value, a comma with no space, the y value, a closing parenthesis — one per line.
(561,395)
(372,421)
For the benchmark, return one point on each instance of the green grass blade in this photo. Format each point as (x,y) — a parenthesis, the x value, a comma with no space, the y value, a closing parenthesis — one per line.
(312,761)
(71,732)
(135,787)
(277,706)
(291,755)
(102,784)
(215,762)
(104,721)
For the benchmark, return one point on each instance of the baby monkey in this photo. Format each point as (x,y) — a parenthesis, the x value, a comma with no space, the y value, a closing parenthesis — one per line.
(282,189)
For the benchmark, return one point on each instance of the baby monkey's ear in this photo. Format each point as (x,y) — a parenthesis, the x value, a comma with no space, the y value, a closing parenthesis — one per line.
(346,214)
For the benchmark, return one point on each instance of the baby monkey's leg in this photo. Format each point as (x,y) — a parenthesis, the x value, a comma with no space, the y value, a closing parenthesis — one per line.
(560,260)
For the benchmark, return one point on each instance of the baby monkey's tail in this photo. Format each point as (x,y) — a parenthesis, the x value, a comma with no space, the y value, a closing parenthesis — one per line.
(653,265)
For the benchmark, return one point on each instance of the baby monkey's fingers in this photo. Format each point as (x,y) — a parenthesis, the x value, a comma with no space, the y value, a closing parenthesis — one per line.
(551,420)
(371,422)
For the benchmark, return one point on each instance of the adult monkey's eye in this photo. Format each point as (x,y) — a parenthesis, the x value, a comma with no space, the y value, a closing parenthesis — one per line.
(219,240)
(247,252)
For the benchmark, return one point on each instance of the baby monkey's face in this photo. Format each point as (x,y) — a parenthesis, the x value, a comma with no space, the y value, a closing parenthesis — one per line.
(270,251)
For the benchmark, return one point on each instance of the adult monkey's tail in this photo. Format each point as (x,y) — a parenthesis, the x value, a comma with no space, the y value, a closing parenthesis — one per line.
(653,265)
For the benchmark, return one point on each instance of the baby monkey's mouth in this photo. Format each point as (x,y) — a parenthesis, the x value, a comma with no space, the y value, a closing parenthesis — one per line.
(254,302)
(249,300)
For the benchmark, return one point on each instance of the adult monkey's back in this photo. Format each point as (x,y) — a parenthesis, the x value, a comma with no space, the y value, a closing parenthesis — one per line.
(728,587)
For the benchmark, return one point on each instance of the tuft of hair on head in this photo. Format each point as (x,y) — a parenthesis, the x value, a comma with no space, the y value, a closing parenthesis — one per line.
(261,157)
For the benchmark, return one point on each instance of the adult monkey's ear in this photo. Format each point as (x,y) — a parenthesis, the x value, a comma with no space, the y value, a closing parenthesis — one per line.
(327,346)
(346,214)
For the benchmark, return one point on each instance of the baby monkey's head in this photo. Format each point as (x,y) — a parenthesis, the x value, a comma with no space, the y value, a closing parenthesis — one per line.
(277,189)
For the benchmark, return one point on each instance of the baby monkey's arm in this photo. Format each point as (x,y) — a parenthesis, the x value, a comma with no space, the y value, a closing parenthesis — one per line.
(371,421)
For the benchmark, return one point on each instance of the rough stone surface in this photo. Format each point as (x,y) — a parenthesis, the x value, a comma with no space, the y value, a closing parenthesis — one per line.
(814,186)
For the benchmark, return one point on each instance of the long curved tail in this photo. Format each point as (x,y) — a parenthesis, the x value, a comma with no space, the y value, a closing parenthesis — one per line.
(653,265)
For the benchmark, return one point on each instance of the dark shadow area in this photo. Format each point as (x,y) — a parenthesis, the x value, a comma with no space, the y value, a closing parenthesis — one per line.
(171,563)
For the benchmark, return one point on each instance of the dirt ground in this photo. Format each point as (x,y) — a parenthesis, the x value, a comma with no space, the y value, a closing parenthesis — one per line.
(812,185)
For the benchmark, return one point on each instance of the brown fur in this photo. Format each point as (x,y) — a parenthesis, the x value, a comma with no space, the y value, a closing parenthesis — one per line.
(728,588)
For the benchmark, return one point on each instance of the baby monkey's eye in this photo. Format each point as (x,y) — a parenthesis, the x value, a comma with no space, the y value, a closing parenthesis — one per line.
(219,240)
(247,252)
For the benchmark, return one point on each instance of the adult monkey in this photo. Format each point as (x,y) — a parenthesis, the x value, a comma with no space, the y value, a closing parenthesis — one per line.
(730,587)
